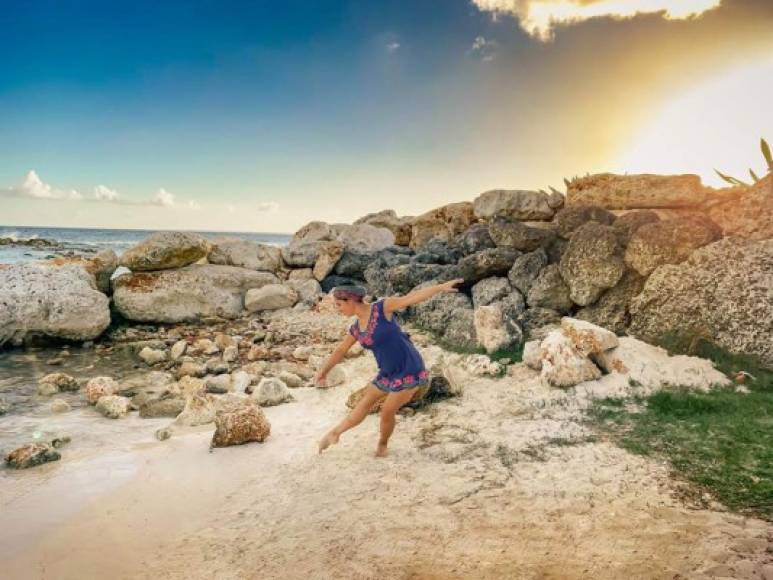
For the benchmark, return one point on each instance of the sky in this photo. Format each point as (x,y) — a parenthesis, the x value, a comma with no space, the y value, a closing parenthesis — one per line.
(261,116)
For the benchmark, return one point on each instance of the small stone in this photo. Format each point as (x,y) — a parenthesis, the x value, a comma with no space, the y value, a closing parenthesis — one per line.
(244,424)
(99,387)
(231,353)
(31,455)
(290,379)
(5,406)
(152,356)
(532,355)
(271,391)
(113,406)
(206,346)
(191,369)
(163,434)
(55,383)
(218,384)
(302,353)
(336,376)
(178,349)
(59,406)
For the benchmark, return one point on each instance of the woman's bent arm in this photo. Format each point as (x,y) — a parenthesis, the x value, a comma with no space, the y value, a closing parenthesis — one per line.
(396,303)
(335,357)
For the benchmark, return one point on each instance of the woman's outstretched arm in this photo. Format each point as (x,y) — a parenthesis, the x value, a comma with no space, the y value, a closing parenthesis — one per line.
(397,303)
(334,358)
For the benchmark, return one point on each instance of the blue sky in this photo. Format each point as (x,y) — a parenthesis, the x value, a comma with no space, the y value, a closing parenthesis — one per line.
(263,115)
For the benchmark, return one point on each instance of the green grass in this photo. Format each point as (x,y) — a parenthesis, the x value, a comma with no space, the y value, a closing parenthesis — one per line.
(721,441)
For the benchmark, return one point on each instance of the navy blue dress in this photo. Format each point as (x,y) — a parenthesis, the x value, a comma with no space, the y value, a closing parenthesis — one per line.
(399,363)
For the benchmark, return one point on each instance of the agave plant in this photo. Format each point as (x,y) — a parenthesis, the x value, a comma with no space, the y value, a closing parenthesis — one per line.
(768,158)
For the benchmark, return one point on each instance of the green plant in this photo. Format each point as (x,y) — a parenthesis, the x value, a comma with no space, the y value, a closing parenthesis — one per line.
(768,158)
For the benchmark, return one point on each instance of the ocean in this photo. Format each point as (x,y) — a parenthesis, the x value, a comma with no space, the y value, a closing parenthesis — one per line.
(86,241)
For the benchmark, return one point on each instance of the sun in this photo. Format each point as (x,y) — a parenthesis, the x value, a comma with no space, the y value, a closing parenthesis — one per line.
(717,124)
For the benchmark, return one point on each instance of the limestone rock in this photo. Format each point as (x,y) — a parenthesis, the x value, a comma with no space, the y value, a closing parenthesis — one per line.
(526,269)
(301,254)
(532,354)
(399,226)
(669,242)
(475,239)
(536,321)
(191,369)
(627,224)
(59,406)
(218,384)
(748,212)
(61,302)
(549,290)
(270,392)
(113,406)
(327,257)
(336,376)
(309,291)
(519,236)
(491,262)
(490,290)
(31,455)
(562,364)
(57,383)
(612,310)
(245,254)
(588,338)
(167,405)
(300,274)
(637,191)
(165,250)
(443,223)
(244,424)
(178,349)
(231,354)
(152,356)
(270,297)
(186,294)
(494,330)
(515,204)
(198,410)
(593,262)
(364,238)
(572,217)
(99,387)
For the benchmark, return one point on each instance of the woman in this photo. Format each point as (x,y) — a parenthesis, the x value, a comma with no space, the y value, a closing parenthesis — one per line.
(401,368)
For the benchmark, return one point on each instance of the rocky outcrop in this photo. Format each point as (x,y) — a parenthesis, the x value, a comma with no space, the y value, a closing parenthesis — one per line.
(245,254)
(519,236)
(443,223)
(746,212)
(187,293)
(399,226)
(592,262)
(669,242)
(517,204)
(723,293)
(165,250)
(572,217)
(244,424)
(637,191)
(60,302)
(270,297)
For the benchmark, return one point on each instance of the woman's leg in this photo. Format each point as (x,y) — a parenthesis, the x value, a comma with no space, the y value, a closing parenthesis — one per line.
(357,416)
(391,405)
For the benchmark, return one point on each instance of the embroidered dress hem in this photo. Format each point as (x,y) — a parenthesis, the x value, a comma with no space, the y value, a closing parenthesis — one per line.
(401,384)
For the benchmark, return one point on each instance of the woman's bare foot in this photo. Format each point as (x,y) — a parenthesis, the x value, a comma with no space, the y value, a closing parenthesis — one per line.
(381,450)
(330,438)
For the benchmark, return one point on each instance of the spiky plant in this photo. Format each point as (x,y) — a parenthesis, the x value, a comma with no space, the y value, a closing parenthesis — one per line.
(768,159)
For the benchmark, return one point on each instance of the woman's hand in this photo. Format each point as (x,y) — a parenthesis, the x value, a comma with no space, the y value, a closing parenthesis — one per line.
(320,380)
(451,285)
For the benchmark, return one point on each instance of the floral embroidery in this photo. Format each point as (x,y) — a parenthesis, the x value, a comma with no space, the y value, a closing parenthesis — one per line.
(399,384)
(366,338)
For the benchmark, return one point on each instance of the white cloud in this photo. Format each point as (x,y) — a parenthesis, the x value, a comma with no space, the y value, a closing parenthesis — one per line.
(540,17)
(393,47)
(484,49)
(34,187)
(268,207)
(163,198)
(192,204)
(104,193)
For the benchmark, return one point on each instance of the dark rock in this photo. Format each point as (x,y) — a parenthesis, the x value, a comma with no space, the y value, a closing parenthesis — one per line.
(437,252)
(533,319)
(612,311)
(402,279)
(31,455)
(519,236)
(490,290)
(550,291)
(572,217)
(526,268)
(627,224)
(332,281)
(491,262)
(475,239)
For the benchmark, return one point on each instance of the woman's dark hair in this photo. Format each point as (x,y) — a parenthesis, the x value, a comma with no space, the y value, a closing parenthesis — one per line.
(349,292)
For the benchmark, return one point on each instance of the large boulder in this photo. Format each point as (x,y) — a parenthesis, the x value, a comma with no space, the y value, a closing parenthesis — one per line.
(101,266)
(592,262)
(516,204)
(588,338)
(563,365)
(353,264)
(550,291)
(475,239)
(494,330)
(490,290)
(627,224)
(491,262)
(519,236)
(399,226)
(363,238)
(245,254)
(61,302)
(243,424)
(186,294)
(572,217)
(637,191)
(449,316)
(165,250)
(747,212)
(402,279)
(270,297)
(113,406)
(723,293)
(669,242)
(526,269)
(612,309)
(443,223)
(327,257)
(301,254)
(309,291)
(437,252)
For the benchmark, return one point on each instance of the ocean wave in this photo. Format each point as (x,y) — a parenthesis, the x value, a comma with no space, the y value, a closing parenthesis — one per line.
(15,236)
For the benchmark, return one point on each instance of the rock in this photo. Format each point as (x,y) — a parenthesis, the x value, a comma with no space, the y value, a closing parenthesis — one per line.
(652,368)
(526,268)
(293,381)
(494,330)
(165,250)
(588,338)
(513,305)
(31,455)
(550,291)
(519,236)
(61,302)
(244,424)
(437,313)
(404,278)
(437,252)
(163,434)
(627,224)
(723,293)
(443,223)
(113,406)
(101,267)
(491,262)
(399,226)
(475,239)
(216,366)
(313,232)
(178,349)
(534,319)
(481,366)
(309,291)
(490,290)
(218,384)
(57,383)
(152,356)
(327,257)
(167,405)
(206,346)
(99,387)
(301,254)
(593,262)
(186,294)
(556,250)
(198,410)
(612,310)
(532,355)
(353,265)
(669,242)
(152,380)
(514,204)
(637,191)
(271,297)
(332,281)
(572,217)
(301,274)
(303,353)
(191,369)
(748,213)
(460,332)
(364,238)
(231,354)
(188,386)
(245,254)
(562,364)
(58,406)
(240,381)
(336,376)
(270,392)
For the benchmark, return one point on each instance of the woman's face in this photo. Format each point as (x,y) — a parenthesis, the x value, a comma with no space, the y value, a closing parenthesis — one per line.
(346,307)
